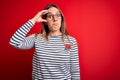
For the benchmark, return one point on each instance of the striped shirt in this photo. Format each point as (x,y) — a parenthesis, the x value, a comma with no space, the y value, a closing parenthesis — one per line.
(52,60)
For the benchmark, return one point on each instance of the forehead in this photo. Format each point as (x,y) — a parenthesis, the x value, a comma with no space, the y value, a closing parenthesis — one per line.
(53,10)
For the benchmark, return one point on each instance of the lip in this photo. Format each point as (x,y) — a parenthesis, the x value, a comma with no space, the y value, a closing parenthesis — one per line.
(55,24)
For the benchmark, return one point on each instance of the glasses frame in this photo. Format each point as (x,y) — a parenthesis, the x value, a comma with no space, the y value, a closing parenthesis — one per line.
(53,16)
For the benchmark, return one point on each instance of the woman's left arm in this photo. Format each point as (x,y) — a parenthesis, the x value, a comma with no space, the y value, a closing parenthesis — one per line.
(75,68)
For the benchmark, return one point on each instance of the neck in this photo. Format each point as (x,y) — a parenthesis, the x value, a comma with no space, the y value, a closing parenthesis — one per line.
(55,33)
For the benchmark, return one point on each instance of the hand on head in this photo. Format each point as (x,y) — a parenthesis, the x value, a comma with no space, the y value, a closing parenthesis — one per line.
(38,16)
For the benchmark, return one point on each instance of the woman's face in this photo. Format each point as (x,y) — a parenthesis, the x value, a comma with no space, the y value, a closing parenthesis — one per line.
(53,19)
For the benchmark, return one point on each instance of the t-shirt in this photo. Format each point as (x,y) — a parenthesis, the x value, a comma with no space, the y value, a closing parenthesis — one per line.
(52,60)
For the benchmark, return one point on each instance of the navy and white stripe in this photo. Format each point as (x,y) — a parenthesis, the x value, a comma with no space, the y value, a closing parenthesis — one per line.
(51,61)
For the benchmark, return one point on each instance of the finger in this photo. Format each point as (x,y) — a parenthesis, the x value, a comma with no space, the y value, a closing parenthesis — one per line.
(43,20)
(44,12)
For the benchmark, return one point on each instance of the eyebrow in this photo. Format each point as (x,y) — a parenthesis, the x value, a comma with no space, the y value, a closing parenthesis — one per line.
(51,12)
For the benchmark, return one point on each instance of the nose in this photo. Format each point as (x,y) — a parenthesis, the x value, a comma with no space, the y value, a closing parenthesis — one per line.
(55,18)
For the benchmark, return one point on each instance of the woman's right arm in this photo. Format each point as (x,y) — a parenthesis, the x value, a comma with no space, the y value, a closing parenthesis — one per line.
(19,39)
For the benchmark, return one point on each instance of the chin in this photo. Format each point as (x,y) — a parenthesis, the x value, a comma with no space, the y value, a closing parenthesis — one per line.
(55,29)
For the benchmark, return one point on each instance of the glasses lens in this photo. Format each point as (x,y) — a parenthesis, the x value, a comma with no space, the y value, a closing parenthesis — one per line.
(51,16)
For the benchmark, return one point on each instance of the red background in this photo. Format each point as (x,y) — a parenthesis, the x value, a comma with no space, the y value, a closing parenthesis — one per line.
(94,23)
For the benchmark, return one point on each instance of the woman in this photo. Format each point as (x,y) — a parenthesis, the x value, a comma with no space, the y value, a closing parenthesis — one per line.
(56,52)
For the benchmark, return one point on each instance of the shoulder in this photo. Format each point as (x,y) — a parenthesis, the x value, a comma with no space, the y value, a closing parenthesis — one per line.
(31,35)
(72,39)
(36,35)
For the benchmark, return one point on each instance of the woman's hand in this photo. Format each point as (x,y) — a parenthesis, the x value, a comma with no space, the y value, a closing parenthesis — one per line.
(38,17)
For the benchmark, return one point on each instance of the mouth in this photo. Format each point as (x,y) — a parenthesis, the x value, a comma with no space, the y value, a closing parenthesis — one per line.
(55,24)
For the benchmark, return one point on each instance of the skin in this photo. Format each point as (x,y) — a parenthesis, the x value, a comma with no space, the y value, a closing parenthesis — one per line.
(53,24)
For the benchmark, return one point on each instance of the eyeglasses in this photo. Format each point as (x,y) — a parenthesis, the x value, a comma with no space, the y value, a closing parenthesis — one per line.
(52,16)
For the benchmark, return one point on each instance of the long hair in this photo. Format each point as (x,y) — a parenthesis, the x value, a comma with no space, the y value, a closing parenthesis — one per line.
(45,29)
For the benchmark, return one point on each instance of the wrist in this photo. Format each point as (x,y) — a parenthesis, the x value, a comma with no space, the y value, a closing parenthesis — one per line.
(33,21)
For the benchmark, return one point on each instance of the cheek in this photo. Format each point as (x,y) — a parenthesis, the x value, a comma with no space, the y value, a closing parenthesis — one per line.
(49,23)
(60,22)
